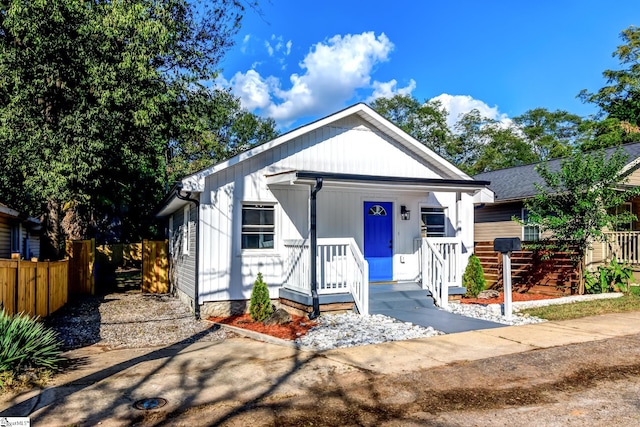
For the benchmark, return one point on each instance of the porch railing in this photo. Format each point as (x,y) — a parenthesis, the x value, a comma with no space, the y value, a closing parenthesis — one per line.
(341,269)
(624,245)
(439,260)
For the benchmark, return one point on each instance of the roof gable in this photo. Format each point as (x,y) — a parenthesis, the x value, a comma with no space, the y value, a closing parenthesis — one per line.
(195,182)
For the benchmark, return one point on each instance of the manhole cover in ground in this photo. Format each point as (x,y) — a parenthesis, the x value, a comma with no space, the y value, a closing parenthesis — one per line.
(149,404)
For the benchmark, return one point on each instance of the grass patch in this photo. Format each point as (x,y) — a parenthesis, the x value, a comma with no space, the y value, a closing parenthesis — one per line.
(628,302)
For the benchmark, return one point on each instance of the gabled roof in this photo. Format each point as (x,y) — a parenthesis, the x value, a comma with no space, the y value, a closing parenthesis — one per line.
(195,182)
(517,183)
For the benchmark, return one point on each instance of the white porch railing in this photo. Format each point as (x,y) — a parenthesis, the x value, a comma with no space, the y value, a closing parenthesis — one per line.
(624,245)
(341,269)
(439,260)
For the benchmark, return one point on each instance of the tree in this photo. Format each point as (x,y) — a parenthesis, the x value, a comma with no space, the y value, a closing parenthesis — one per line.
(89,92)
(213,127)
(551,134)
(578,201)
(426,121)
(619,100)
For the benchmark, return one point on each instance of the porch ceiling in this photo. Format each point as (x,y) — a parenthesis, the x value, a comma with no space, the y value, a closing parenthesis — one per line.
(359,181)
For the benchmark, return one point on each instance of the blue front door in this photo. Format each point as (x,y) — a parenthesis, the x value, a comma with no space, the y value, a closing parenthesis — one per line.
(378,240)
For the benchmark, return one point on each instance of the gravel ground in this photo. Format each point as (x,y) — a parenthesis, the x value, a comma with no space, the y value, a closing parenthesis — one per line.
(130,320)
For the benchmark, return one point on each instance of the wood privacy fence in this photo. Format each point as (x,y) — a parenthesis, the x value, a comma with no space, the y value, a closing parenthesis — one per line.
(82,255)
(551,273)
(35,288)
(155,266)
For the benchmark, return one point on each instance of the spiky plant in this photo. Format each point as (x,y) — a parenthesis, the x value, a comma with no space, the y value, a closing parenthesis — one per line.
(25,343)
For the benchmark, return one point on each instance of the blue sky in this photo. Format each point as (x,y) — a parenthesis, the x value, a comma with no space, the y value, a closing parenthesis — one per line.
(302,60)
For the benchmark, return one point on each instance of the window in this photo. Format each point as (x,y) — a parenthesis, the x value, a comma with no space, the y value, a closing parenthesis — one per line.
(377,210)
(432,222)
(171,235)
(530,233)
(186,230)
(625,207)
(258,226)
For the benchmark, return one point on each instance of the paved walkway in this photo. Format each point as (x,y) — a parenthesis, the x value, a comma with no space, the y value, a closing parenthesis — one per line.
(410,303)
(104,384)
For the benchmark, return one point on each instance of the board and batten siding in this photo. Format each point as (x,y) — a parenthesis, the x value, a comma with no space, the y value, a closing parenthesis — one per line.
(183,262)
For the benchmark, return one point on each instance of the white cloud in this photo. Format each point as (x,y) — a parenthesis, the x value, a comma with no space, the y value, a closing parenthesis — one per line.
(457,105)
(389,89)
(332,71)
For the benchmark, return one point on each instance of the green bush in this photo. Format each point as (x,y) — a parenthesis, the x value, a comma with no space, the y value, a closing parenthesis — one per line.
(260,307)
(473,278)
(610,278)
(27,344)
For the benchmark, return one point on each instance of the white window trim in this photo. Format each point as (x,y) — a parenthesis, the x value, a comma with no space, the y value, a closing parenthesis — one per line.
(524,225)
(171,235)
(276,227)
(186,229)
(447,220)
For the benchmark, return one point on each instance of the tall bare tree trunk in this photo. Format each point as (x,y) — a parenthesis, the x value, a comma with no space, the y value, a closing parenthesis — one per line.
(52,247)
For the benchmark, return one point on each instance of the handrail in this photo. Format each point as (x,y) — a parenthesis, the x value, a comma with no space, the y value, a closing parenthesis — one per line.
(436,272)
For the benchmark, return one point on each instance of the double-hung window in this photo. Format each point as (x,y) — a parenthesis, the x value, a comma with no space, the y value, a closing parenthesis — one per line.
(530,232)
(433,222)
(186,229)
(258,226)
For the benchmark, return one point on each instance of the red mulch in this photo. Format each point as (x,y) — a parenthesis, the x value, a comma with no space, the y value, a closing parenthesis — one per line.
(514,297)
(289,331)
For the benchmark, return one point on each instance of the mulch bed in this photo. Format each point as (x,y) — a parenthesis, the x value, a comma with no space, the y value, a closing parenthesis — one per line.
(289,331)
(515,297)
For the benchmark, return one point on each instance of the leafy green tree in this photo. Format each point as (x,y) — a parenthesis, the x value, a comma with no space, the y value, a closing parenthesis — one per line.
(425,121)
(89,92)
(213,127)
(260,306)
(473,278)
(578,202)
(550,134)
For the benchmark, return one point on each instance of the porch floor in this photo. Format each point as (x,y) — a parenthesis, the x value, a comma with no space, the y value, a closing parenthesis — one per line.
(408,302)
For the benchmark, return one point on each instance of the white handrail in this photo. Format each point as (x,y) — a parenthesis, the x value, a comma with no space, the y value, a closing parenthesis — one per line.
(434,271)
(341,269)
(624,245)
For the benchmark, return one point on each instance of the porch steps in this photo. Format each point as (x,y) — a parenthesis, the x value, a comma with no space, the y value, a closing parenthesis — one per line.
(408,302)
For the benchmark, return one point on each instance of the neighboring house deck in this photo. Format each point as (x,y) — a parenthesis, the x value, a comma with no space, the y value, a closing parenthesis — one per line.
(321,212)
(512,186)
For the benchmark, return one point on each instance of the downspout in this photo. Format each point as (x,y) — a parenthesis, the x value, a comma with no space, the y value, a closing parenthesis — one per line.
(314,251)
(187,198)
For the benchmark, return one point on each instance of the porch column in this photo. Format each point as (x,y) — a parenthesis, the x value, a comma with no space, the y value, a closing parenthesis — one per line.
(314,249)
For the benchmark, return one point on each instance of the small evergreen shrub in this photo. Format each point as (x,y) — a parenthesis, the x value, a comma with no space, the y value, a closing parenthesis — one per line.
(473,278)
(260,307)
(26,344)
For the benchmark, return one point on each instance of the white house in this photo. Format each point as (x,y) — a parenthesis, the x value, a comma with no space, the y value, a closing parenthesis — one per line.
(349,199)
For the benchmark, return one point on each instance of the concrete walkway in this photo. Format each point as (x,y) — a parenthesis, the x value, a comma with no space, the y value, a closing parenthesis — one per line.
(410,303)
(235,373)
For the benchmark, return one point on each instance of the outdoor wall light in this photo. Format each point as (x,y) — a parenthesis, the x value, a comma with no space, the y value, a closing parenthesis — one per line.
(404,213)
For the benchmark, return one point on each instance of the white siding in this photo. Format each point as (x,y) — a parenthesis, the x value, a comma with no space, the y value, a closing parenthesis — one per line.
(347,146)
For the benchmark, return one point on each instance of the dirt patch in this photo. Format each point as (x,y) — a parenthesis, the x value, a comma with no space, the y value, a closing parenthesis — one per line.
(289,331)
(515,297)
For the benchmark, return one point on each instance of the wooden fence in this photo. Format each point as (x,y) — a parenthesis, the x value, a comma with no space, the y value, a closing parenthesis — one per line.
(35,288)
(82,255)
(551,273)
(155,266)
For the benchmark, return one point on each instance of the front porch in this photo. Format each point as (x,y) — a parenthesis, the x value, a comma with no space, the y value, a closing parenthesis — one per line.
(342,273)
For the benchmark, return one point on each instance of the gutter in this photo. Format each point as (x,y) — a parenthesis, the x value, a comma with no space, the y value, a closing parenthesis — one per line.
(196,285)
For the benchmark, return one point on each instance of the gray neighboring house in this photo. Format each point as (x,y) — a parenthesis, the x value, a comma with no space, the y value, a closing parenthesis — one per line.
(19,235)
(512,186)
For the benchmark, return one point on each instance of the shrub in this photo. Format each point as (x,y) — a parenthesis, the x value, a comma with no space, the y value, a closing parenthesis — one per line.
(26,344)
(260,307)
(473,278)
(610,278)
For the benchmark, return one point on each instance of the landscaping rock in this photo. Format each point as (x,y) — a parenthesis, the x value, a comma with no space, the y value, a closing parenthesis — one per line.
(488,294)
(279,317)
